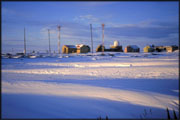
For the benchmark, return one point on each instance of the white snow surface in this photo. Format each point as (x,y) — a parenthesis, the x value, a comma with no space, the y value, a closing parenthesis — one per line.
(125,85)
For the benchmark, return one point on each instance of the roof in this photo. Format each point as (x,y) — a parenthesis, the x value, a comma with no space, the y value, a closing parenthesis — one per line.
(79,45)
(134,46)
(150,46)
(71,46)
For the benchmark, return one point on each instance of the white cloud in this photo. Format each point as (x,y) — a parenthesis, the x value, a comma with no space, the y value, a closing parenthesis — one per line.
(87,19)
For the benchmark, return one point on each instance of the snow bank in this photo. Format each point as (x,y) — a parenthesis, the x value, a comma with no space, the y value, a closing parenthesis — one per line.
(134,97)
(78,86)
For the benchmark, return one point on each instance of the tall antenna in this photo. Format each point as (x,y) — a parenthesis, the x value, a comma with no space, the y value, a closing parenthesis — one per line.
(59,39)
(49,40)
(91,38)
(24,41)
(102,38)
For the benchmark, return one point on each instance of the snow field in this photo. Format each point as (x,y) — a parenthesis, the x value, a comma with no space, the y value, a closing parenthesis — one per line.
(88,87)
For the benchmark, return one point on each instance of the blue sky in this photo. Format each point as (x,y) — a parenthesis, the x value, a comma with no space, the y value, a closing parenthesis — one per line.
(139,23)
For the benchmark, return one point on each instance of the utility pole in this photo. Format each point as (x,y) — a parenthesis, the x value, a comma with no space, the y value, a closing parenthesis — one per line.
(24,41)
(91,38)
(49,40)
(102,38)
(59,39)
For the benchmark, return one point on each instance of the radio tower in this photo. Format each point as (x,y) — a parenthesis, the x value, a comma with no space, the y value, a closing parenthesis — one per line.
(24,42)
(59,27)
(91,38)
(102,38)
(49,40)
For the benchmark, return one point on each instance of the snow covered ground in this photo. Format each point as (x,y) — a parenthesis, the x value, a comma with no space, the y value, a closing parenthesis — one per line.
(117,85)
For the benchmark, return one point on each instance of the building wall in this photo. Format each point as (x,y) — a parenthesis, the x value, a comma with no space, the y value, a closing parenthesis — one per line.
(160,48)
(99,48)
(72,50)
(67,50)
(148,49)
(129,49)
(83,49)
(171,49)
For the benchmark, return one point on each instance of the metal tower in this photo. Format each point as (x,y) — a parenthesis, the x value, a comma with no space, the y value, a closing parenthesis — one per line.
(91,39)
(102,38)
(49,40)
(24,41)
(59,27)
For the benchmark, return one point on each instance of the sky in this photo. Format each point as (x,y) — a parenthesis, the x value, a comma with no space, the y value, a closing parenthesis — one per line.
(130,23)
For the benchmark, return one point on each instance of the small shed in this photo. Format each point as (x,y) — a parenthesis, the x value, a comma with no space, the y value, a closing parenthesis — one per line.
(171,48)
(149,48)
(66,49)
(160,48)
(82,48)
(132,48)
(99,48)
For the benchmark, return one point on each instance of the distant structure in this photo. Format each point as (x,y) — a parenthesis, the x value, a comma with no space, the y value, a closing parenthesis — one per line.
(171,48)
(82,48)
(132,48)
(100,48)
(91,38)
(149,48)
(103,39)
(160,48)
(66,49)
(116,43)
(115,48)
(153,48)
(59,27)
(24,41)
(49,40)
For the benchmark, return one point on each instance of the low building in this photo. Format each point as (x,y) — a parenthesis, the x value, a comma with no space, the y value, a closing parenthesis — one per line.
(171,48)
(160,49)
(132,48)
(149,48)
(82,48)
(99,48)
(66,49)
(116,47)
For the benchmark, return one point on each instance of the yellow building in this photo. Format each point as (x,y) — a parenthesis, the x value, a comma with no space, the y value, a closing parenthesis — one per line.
(66,49)
(171,48)
(148,49)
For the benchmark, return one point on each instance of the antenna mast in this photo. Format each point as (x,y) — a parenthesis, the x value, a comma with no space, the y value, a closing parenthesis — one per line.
(91,38)
(102,38)
(59,27)
(49,40)
(24,41)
